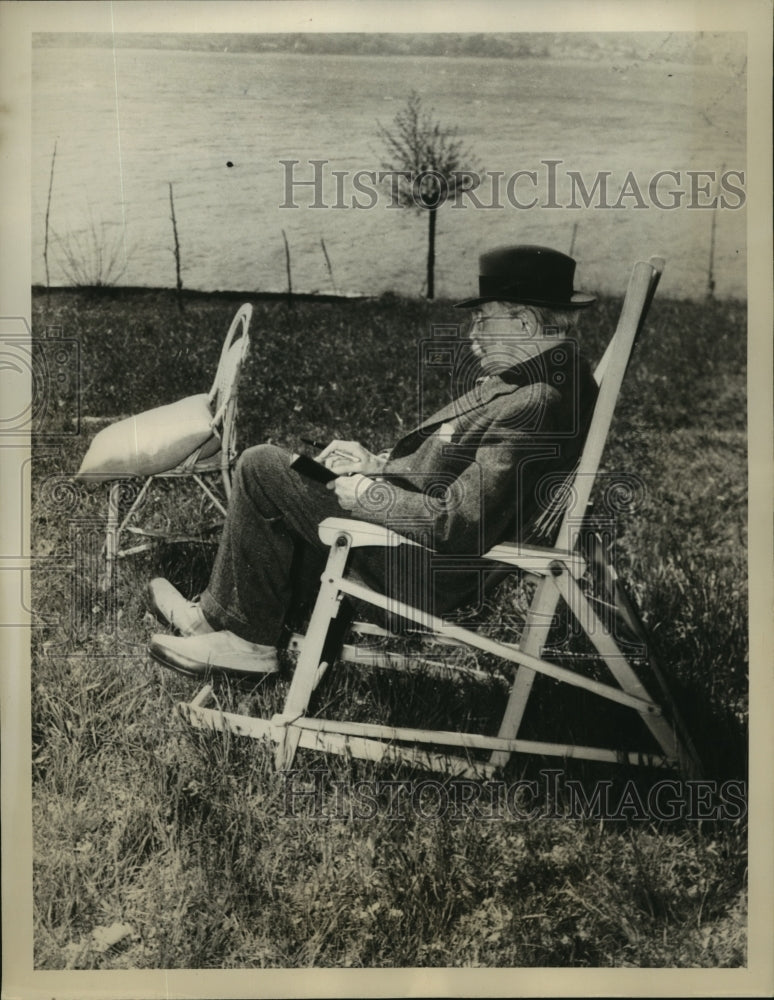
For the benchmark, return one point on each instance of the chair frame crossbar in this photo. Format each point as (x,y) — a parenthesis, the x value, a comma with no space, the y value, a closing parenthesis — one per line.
(558,569)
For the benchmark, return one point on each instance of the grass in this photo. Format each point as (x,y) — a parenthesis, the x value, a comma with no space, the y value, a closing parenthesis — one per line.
(187,839)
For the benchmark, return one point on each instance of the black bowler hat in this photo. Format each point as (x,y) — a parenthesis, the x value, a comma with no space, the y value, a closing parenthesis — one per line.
(529,275)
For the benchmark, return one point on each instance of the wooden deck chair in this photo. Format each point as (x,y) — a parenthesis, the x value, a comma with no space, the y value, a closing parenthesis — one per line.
(209,465)
(560,569)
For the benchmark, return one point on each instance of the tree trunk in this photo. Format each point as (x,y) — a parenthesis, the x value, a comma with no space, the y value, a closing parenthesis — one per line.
(178,278)
(431,212)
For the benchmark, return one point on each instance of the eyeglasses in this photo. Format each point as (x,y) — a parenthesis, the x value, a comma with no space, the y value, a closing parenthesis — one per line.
(520,317)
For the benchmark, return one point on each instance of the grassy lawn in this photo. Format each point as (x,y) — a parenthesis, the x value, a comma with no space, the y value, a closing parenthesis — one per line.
(188,839)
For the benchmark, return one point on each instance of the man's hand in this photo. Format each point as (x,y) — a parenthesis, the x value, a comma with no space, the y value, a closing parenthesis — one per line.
(350,456)
(347,487)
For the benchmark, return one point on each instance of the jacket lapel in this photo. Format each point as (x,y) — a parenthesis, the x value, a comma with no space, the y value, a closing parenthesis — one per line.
(480,395)
(539,368)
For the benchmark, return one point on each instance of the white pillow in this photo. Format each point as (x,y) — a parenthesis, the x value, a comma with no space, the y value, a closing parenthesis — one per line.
(153,441)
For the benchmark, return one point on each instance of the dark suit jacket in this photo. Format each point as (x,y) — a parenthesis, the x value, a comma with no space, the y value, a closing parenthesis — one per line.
(470,475)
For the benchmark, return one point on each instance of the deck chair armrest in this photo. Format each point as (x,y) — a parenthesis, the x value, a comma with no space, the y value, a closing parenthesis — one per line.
(528,557)
(361,532)
(535,558)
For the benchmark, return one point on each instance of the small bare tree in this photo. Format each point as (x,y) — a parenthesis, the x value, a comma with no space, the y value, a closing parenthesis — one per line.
(428,166)
(95,257)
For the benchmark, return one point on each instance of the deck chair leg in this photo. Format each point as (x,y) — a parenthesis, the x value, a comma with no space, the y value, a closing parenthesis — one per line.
(625,605)
(306,673)
(662,729)
(225,474)
(534,636)
(115,526)
(626,608)
(112,534)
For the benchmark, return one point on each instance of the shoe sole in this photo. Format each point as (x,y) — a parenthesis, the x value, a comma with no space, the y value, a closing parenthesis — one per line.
(196,669)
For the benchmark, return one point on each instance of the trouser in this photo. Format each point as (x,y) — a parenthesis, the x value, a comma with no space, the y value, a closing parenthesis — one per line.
(269,552)
(270,556)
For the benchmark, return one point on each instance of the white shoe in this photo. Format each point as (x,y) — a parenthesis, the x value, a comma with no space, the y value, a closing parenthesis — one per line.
(169,605)
(199,655)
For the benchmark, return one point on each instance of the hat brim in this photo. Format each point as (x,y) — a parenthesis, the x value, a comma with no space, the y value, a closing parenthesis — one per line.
(579,301)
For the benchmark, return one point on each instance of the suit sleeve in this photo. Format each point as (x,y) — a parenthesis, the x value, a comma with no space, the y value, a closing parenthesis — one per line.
(483,489)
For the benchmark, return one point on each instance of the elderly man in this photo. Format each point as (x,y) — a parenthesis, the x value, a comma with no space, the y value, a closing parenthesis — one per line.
(465,479)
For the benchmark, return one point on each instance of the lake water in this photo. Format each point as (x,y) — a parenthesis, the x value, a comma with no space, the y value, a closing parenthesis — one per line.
(127,124)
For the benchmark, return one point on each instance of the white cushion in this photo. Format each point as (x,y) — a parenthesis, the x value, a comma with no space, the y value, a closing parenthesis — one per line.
(154,441)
